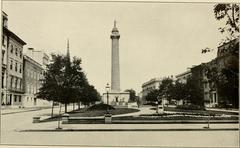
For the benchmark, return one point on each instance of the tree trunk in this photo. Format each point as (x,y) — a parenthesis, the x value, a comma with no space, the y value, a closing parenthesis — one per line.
(59,116)
(52,108)
(73,106)
(79,105)
(65,107)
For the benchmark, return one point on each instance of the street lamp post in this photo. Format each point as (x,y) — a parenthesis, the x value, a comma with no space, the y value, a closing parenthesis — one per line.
(163,101)
(107,90)
(59,83)
(157,109)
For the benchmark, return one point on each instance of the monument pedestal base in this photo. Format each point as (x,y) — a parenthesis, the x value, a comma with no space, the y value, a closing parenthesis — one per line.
(115,98)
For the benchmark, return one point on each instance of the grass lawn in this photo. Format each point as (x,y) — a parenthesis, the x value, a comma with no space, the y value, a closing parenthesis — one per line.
(93,113)
(174,117)
(96,113)
(173,109)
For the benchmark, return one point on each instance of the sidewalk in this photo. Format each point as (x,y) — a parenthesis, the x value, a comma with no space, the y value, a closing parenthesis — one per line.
(44,127)
(13,110)
(10,110)
(223,110)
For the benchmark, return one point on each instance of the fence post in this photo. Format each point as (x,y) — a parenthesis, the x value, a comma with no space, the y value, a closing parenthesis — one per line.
(65,118)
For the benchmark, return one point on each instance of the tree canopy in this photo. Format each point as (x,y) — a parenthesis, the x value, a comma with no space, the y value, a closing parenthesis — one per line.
(133,96)
(170,90)
(65,82)
(230,14)
(153,95)
(223,72)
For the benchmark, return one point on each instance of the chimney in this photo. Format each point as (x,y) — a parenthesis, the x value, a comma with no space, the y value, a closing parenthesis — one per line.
(30,52)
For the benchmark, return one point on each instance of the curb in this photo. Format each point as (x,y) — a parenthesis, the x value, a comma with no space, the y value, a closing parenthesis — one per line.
(24,111)
(112,130)
(19,112)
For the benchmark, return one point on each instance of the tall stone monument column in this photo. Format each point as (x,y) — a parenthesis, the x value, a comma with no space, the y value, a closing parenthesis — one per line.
(115,74)
(115,97)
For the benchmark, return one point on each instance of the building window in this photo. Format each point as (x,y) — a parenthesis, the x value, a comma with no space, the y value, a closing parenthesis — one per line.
(3,42)
(3,53)
(11,81)
(2,80)
(16,66)
(11,49)
(20,54)
(16,82)
(11,64)
(20,69)
(20,99)
(15,98)
(16,51)
(20,84)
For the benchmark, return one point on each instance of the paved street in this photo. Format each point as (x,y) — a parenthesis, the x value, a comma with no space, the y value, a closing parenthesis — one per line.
(12,123)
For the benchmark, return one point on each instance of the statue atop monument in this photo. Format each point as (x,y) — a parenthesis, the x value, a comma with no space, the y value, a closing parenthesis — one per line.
(115,30)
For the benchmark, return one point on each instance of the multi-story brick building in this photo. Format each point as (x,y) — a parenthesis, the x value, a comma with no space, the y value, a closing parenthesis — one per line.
(182,77)
(20,74)
(12,48)
(33,73)
(35,64)
(227,57)
(148,86)
(39,56)
(3,57)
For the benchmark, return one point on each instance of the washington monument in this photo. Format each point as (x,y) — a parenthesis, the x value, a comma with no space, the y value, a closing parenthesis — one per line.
(115,74)
(115,96)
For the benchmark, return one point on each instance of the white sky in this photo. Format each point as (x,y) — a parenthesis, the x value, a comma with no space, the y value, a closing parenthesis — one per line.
(157,39)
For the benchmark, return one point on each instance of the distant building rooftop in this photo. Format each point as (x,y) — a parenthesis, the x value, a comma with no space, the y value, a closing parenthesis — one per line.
(32,61)
(184,73)
(152,81)
(10,33)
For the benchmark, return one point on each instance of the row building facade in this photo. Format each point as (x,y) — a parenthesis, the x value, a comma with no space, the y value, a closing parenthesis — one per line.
(149,86)
(21,74)
(12,63)
(228,59)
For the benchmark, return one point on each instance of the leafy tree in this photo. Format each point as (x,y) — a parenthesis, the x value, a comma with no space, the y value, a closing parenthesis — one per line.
(224,76)
(165,88)
(194,92)
(93,94)
(225,80)
(133,96)
(50,87)
(89,95)
(179,91)
(188,92)
(230,14)
(64,80)
(164,91)
(153,95)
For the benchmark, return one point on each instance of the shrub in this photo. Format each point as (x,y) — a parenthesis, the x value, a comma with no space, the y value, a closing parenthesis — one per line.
(190,107)
(101,107)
